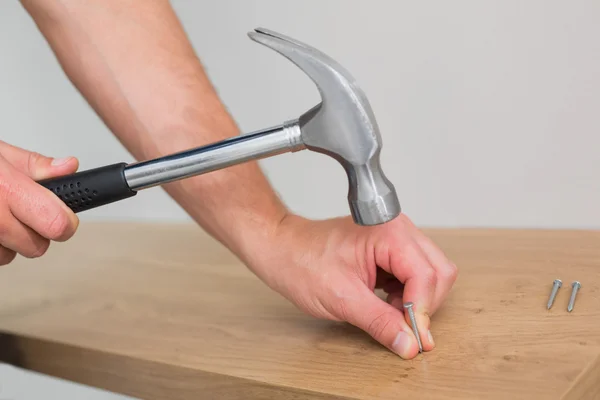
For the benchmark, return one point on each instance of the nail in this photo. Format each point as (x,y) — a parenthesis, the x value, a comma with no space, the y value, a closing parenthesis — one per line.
(402,344)
(430,338)
(60,161)
(408,306)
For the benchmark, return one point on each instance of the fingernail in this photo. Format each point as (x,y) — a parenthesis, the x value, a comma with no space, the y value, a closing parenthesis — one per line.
(60,161)
(430,338)
(401,345)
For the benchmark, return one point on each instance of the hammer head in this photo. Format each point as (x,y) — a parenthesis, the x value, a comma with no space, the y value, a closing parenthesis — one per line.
(342,126)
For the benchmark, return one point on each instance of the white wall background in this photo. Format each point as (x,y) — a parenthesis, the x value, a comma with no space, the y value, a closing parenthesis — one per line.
(17,384)
(489,111)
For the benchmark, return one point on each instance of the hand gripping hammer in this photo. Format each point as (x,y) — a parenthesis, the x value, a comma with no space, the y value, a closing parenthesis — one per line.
(342,126)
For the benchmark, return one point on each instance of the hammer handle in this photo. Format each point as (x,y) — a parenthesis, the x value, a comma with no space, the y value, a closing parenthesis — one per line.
(100,186)
(92,188)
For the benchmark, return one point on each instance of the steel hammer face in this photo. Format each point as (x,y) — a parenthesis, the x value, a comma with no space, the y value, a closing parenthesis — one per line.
(342,126)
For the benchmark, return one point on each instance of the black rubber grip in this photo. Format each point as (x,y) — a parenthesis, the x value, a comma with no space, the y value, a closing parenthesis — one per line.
(92,188)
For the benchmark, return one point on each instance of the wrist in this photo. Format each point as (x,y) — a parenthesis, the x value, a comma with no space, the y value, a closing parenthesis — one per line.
(257,242)
(264,246)
(288,243)
(267,253)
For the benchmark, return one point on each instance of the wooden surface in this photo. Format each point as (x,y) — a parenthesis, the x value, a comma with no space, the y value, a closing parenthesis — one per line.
(162,311)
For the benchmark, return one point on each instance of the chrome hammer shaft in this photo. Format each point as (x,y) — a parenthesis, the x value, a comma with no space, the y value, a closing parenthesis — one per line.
(252,146)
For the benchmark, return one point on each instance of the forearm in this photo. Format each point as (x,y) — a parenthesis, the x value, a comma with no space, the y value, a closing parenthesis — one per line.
(135,66)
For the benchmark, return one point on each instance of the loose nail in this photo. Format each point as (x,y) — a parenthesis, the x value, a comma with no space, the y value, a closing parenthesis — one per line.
(430,338)
(60,161)
(402,344)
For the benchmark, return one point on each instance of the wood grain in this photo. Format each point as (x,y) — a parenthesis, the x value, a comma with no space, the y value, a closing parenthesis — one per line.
(163,311)
(587,384)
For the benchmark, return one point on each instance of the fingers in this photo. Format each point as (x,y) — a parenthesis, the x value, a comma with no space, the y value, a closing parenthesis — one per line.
(424,273)
(37,166)
(411,266)
(20,239)
(31,215)
(35,206)
(446,271)
(383,322)
(6,255)
(43,212)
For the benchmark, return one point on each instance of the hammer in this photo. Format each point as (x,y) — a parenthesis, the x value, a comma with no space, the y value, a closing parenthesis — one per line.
(342,126)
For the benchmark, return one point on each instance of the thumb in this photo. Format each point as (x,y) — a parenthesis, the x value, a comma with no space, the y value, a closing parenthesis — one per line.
(35,165)
(383,322)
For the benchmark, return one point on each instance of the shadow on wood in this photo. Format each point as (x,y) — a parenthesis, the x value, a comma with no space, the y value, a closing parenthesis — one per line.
(9,350)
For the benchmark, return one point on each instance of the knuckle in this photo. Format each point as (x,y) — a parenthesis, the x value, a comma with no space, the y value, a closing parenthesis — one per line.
(411,254)
(6,226)
(449,272)
(342,310)
(39,249)
(33,160)
(59,226)
(5,184)
(379,325)
(430,276)
(4,229)
(411,249)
